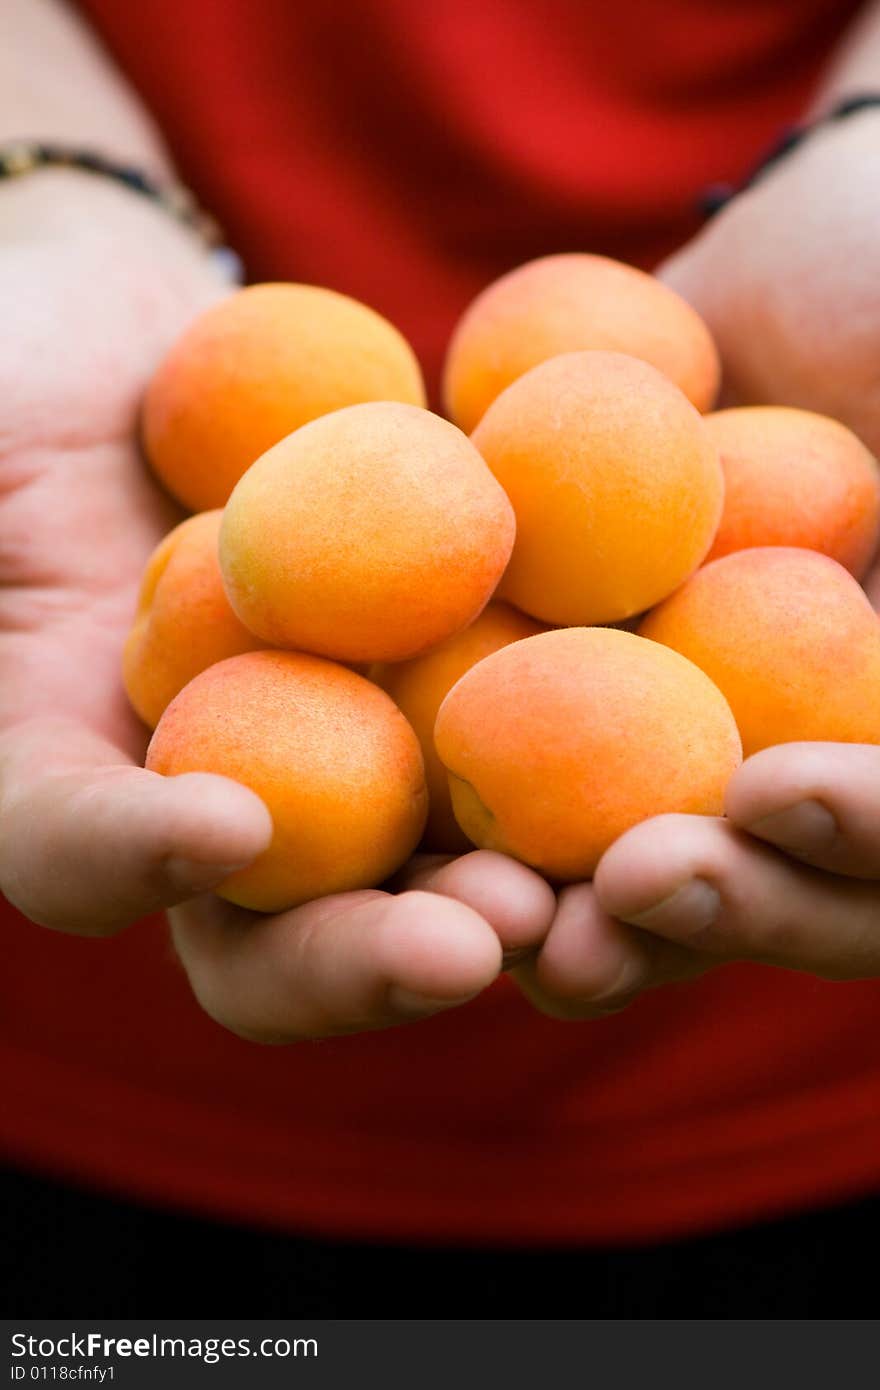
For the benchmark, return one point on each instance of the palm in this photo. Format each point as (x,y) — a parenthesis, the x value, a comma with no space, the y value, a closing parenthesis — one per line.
(88,518)
(85,326)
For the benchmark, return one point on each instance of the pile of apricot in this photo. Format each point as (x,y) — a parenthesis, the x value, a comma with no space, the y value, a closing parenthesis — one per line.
(574,603)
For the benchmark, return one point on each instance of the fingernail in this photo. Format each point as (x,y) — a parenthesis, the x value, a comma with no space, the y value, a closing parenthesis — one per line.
(690,909)
(405,1001)
(193,876)
(804,828)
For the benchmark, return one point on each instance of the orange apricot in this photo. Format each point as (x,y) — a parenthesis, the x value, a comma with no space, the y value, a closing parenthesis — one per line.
(370,534)
(257,365)
(567,303)
(616,487)
(558,744)
(795,478)
(789,638)
(183,622)
(418,688)
(336,763)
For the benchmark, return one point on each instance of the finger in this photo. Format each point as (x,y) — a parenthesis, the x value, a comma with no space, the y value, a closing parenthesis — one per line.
(591,965)
(817,801)
(701,883)
(349,963)
(89,842)
(517,902)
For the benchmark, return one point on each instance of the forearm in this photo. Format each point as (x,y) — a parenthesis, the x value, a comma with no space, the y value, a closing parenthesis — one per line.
(56,82)
(854,69)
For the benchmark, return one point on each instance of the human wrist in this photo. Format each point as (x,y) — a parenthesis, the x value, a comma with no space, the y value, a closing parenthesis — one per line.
(90,275)
(842,124)
(92,216)
(847,122)
(22,158)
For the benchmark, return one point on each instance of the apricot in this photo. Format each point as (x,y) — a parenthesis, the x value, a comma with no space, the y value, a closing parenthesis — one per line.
(370,534)
(257,365)
(330,754)
(789,638)
(565,304)
(795,478)
(558,744)
(616,486)
(184,622)
(418,688)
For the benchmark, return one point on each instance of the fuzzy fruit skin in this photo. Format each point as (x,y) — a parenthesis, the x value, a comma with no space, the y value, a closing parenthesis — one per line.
(558,744)
(368,535)
(184,622)
(418,688)
(257,365)
(330,754)
(790,639)
(795,478)
(616,487)
(568,303)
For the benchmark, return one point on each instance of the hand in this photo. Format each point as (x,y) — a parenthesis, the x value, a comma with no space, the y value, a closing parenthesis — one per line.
(95,284)
(788,279)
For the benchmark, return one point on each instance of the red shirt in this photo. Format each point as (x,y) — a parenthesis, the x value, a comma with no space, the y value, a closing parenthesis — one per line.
(406,154)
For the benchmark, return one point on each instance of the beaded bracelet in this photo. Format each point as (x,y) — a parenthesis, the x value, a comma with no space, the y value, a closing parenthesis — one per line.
(718,195)
(26,156)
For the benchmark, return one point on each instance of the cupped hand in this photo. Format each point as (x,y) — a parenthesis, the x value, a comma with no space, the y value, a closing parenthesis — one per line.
(95,284)
(788,278)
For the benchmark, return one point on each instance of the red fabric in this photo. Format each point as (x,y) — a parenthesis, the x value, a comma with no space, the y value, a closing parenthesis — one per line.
(407,154)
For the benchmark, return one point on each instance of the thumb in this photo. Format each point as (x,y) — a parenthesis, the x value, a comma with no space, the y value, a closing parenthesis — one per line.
(89,842)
